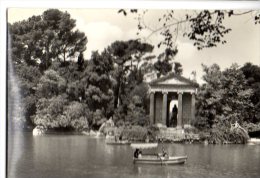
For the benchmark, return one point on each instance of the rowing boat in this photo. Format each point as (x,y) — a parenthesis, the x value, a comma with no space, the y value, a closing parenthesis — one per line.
(159,159)
(123,142)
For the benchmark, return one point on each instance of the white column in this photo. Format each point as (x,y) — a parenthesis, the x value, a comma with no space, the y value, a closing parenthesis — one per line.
(179,119)
(164,108)
(192,106)
(152,108)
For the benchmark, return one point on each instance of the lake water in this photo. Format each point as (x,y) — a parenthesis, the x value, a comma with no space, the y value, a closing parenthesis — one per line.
(82,156)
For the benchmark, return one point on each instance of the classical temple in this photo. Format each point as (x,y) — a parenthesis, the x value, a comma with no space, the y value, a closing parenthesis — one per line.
(169,88)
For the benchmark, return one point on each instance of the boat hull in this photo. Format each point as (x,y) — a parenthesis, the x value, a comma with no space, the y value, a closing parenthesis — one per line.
(161,160)
(118,143)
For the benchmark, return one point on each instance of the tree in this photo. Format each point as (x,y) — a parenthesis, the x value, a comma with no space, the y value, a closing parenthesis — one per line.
(98,85)
(252,75)
(77,114)
(135,112)
(224,98)
(50,114)
(50,84)
(163,64)
(26,79)
(42,39)
(80,61)
(54,108)
(178,68)
(127,56)
(208,98)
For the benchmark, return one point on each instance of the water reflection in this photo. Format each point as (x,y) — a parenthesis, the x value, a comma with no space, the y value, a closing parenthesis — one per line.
(81,156)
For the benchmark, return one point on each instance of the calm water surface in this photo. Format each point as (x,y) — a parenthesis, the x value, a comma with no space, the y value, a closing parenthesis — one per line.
(81,156)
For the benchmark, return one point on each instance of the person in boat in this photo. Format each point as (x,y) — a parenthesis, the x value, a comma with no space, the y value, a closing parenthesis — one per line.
(164,153)
(140,154)
(136,153)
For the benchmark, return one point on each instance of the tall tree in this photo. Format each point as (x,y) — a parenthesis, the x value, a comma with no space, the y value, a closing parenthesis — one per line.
(98,89)
(252,74)
(44,38)
(127,55)
(224,98)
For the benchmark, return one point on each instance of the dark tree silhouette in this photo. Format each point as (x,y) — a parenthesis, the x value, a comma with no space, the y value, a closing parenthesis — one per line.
(44,38)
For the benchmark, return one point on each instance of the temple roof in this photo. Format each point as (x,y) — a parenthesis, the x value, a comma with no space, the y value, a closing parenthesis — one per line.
(173,80)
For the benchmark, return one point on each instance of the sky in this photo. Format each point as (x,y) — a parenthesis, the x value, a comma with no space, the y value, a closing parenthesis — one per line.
(104,26)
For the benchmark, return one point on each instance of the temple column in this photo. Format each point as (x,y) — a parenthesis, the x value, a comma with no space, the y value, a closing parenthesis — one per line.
(192,106)
(152,108)
(164,108)
(179,119)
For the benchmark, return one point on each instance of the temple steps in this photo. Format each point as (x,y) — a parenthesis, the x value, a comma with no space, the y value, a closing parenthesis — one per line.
(176,135)
(173,134)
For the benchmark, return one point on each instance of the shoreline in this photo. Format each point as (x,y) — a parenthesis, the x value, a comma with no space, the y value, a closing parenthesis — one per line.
(96,134)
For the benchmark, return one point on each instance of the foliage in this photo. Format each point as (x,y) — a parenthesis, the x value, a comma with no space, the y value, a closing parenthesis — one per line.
(221,136)
(206,28)
(47,37)
(49,112)
(74,77)
(224,98)
(97,119)
(57,112)
(77,114)
(178,68)
(152,132)
(28,108)
(98,85)
(51,84)
(192,130)
(252,74)
(142,91)
(250,127)
(135,113)
(119,116)
(42,51)
(127,56)
(134,133)
(163,65)
(27,78)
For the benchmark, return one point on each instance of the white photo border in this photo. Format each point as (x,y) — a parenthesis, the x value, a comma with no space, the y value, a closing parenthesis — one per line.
(140,4)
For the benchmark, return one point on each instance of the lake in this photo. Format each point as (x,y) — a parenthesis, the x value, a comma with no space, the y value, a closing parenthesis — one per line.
(61,155)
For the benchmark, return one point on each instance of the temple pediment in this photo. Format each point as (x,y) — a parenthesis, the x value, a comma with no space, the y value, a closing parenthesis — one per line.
(173,80)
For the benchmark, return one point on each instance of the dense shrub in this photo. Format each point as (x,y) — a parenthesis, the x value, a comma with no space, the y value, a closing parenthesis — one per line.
(134,133)
(224,98)
(51,84)
(152,132)
(135,113)
(77,114)
(238,136)
(220,136)
(250,127)
(49,112)
(96,119)
(119,116)
(57,112)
